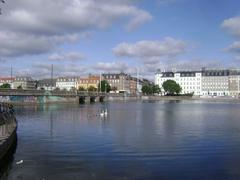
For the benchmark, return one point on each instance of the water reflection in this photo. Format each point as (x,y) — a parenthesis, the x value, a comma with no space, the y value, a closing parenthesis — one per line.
(135,140)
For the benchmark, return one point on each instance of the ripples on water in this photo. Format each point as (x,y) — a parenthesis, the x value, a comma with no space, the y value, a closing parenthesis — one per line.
(137,140)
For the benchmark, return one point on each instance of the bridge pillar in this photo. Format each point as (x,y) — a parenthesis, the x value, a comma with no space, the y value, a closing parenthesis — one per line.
(101,98)
(93,99)
(81,100)
(87,99)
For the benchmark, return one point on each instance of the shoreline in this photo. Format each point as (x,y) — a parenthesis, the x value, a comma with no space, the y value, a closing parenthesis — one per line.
(133,98)
(8,130)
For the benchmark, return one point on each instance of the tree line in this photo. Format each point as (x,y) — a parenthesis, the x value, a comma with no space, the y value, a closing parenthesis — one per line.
(170,88)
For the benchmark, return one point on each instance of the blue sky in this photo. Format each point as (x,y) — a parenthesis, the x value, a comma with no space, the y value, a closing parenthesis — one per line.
(87,36)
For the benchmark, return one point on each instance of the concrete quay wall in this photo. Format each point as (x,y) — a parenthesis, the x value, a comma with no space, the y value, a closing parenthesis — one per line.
(8,129)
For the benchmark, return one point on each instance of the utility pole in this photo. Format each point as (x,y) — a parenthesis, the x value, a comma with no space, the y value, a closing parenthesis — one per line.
(11,78)
(52,78)
(100,85)
(137,81)
(238,84)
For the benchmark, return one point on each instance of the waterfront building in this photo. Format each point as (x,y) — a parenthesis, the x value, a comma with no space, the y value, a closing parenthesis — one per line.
(118,81)
(7,80)
(234,83)
(215,82)
(24,83)
(47,84)
(133,85)
(204,82)
(67,83)
(190,81)
(91,80)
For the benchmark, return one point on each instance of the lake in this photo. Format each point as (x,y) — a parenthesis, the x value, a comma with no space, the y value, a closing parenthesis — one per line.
(135,140)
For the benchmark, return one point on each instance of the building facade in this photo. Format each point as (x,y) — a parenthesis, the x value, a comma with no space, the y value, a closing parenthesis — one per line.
(190,81)
(120,82)
(67,83)
(7,80)
(89,81)
(204,82)
(47,84)
(234,83)
(24,83)
(215,82)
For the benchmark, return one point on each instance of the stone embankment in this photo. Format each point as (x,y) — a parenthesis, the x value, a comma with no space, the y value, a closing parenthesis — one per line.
(8,128)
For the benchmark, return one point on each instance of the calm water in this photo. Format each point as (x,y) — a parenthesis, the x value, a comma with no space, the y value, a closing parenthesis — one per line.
(137,140)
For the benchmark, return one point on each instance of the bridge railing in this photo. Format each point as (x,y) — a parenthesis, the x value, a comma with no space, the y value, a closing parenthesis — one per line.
(35,92)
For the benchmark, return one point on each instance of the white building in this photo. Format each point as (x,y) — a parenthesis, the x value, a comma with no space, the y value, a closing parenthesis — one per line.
(7,80)
(205,82)
(24,83)
(190,81)
(46,84)
(67,83)
(216,82)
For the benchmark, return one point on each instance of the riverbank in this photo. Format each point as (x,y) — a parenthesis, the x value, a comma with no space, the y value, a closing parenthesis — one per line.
(128,98)
(189,98)
(8,129)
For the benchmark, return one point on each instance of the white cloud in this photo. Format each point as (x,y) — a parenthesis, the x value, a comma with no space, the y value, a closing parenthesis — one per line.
(164,2)
(232,25)
(16,44)
(168,47)
(55,22)
(72,56)
(111,66)
(234,48)
(43,70)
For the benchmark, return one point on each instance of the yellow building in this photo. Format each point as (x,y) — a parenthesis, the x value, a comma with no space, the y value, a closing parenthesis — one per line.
(89,81)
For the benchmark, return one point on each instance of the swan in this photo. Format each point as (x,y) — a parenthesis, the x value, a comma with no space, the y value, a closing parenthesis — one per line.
(102,113)
(105,112)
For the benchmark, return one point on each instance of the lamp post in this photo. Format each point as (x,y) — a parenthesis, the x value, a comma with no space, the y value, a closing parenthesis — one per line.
(100,85)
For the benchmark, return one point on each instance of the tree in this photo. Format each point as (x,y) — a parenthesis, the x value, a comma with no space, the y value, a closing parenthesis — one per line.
(171,87)
(19,87)
(5,86)
(156,89)
(57,89)
(92,89)
(147,89)
(81,88)
(105,87)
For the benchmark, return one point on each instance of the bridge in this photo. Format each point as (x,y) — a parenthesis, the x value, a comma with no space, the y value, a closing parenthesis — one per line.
(21,95)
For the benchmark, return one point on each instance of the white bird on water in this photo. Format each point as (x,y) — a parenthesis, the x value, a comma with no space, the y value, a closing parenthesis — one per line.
(103,113)
(19,162)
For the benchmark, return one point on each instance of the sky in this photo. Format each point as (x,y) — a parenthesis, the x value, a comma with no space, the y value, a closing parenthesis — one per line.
(81,37)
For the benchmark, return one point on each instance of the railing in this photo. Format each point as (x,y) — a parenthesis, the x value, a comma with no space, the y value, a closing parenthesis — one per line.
(35,92)
(21,92)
